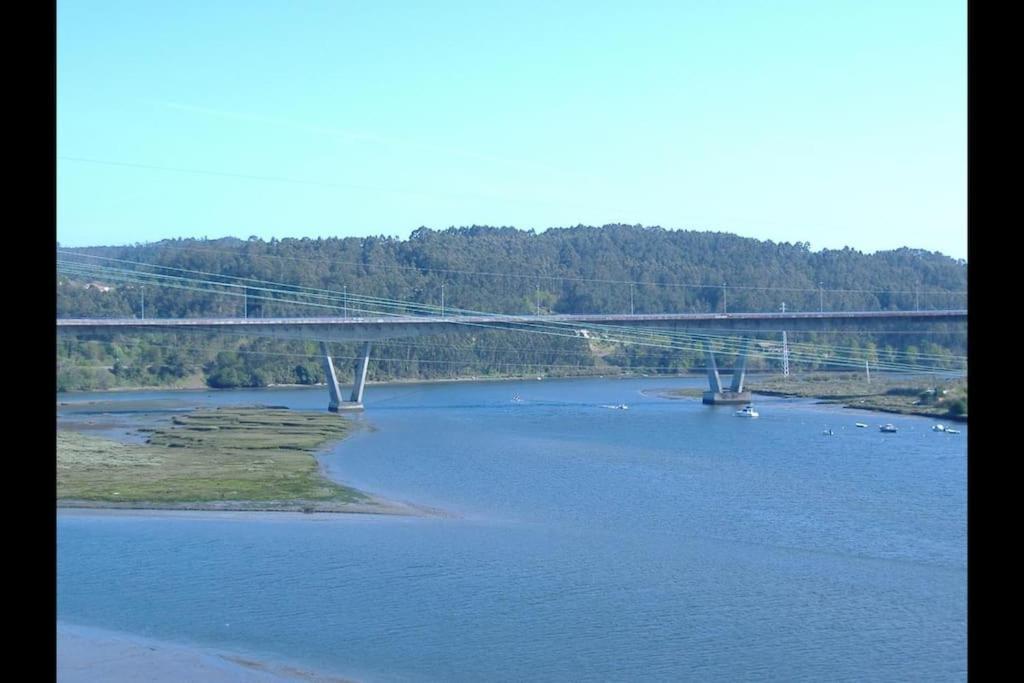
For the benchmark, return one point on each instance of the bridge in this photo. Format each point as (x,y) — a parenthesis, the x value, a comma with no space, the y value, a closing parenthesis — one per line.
(372,329)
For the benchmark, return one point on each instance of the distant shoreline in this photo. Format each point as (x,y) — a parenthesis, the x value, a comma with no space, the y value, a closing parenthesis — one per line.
(395,382)
(697,373)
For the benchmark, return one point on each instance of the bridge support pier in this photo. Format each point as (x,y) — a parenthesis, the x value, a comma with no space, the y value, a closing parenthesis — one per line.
(359,369)
(735,393)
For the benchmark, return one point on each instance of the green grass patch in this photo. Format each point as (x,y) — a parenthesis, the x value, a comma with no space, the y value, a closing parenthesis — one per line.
(911,396)
(236,454)
(931,398)
(688,392)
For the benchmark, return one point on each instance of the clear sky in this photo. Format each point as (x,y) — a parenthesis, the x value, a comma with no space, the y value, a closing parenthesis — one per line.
(839,123)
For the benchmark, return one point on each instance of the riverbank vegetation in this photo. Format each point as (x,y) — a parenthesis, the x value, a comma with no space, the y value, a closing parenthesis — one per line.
(261,457)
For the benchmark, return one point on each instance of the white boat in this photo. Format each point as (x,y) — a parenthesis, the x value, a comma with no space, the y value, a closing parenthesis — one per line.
(952,431)
(887,428)
(938,428)
(828,432)
(747,411)
(862,425)
(621,406)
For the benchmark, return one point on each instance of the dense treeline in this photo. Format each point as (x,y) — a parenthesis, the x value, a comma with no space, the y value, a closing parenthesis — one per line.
(616,268)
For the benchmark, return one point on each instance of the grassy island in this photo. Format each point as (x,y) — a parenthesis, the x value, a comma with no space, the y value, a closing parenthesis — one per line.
(945,399)
(228,458)
(938,398)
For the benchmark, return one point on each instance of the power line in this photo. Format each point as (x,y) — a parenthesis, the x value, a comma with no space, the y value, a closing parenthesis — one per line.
(530,277)
(225,174)
(464,361)
(277,287)
(627,335)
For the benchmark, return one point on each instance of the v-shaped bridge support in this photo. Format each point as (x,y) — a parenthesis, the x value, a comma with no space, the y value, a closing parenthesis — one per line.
(735,392)
(359,370)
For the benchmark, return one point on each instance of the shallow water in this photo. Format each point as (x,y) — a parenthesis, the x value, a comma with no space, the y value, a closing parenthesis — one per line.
(668,541)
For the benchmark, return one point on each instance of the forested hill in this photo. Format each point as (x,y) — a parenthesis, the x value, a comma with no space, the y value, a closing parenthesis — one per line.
(614,268)
(575,270)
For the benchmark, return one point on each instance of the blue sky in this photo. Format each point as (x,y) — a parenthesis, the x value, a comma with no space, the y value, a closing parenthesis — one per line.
(835,123)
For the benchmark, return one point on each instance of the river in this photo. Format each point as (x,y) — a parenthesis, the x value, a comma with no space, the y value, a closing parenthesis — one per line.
(668,541)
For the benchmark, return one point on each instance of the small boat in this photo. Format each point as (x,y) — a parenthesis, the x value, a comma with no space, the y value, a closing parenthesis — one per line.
(862,425)
(828,432)
(516,398)
(620,406)
(938,428)
(952,431)
(887,428)
(747,411)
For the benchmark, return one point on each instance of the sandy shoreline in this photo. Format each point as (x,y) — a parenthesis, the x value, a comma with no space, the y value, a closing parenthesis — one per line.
(86,654)
(384,508)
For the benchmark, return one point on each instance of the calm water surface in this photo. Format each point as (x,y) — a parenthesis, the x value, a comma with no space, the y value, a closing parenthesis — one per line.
(669,541)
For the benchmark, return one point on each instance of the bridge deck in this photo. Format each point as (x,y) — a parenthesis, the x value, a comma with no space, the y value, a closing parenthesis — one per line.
(596,318)
(378,328)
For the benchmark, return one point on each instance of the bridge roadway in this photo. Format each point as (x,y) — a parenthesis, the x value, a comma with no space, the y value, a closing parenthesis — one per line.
(337,329)
(371,329)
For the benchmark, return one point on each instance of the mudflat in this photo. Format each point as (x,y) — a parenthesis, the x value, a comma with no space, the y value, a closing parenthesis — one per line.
(221,459)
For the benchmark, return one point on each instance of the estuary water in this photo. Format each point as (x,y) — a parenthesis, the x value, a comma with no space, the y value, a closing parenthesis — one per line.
(667,541)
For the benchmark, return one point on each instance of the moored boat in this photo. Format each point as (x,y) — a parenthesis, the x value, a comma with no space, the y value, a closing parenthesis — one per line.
(747,411)
(887,428)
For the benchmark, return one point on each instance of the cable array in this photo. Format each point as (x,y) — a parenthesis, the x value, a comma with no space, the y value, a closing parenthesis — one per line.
(348,303)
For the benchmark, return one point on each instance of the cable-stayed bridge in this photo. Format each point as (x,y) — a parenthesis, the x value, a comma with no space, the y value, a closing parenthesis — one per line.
(359,317)
(624,328)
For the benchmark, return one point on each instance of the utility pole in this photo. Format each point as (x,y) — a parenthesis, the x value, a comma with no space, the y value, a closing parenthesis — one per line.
(538,298)
(344,289)
(785,355)
(725,299)
(917,299)
(785,349)
(631,298)
(245,302)
(821,300)
(143,302)
(442,298)
(867,371)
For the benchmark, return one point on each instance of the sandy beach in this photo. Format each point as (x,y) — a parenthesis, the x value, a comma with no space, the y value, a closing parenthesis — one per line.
(87,655)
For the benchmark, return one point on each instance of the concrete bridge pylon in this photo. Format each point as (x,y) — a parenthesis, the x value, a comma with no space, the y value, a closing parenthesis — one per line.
(359,371)
(717,394)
